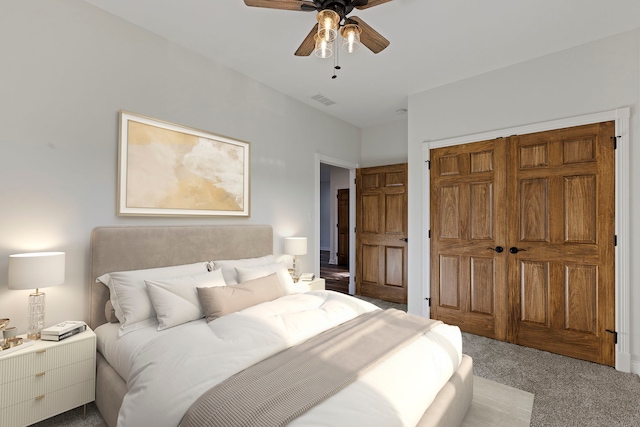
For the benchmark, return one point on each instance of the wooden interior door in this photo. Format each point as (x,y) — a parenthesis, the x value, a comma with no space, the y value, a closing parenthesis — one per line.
(561,228)
(468,233)
(343,227)
(381,232)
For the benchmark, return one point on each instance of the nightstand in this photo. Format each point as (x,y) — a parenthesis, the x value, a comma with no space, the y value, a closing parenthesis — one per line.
(47,378)
(316,284)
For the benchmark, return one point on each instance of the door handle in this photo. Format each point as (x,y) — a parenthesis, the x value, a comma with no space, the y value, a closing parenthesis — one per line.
(404,239)
(498,249)
(515,250)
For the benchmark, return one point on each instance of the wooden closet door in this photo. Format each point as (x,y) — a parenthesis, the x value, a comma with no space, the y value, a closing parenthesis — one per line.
(468,234)
(561,226)
(381,232)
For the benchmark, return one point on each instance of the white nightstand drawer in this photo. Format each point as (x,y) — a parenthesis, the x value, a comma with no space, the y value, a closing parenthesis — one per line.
(44,357)
(45,382)
(43,406)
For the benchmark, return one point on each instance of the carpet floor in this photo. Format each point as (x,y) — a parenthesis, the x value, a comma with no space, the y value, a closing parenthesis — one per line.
(568,392)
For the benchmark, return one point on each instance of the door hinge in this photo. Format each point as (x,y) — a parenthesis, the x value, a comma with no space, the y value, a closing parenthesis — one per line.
(428,164)
(615,335)
(615,141)
(428,301)
(615,240)
(429,234)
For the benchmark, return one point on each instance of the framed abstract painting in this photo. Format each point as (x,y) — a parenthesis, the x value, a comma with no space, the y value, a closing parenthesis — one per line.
(171,170)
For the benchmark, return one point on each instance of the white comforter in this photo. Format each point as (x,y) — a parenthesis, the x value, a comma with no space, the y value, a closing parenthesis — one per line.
(167,371)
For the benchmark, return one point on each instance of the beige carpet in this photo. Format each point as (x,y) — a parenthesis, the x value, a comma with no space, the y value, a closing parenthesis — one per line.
(568,392)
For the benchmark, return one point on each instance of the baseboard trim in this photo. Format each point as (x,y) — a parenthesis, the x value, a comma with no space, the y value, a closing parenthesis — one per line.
(623,361)
(635,365)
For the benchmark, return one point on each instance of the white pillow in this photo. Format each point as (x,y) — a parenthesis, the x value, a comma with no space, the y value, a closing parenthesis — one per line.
(228,266)
(129,295)
(176,300)
(255,272)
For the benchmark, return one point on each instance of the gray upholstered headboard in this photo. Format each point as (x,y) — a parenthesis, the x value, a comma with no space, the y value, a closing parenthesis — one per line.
(133,248)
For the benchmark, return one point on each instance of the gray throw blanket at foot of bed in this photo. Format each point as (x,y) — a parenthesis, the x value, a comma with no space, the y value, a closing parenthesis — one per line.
(276,390)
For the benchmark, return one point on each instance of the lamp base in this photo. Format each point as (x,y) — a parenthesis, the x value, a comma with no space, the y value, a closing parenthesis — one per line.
(36,315)
(296,268)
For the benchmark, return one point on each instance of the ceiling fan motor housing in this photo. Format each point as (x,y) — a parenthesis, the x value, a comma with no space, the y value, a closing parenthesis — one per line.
(341,7)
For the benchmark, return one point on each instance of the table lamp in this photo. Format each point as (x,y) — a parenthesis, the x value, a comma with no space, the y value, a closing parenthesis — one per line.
(295,246)
(34,271)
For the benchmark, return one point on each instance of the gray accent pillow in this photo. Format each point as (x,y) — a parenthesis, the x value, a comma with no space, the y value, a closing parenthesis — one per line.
(222,300)
(110,313)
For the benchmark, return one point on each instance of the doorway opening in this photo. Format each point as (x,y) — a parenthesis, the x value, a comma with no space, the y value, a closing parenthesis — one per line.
(336,223)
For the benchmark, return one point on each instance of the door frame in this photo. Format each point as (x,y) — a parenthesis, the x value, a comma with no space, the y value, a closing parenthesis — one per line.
(621,117)
(320,158)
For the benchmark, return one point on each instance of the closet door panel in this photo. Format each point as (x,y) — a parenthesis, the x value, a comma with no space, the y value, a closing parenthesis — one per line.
(468,221)
(561,216)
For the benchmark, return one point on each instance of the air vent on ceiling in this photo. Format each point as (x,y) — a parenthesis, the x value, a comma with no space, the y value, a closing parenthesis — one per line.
(323,100)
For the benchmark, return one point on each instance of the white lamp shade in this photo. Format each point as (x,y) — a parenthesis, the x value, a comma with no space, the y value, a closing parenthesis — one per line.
(295,245)
(36,270)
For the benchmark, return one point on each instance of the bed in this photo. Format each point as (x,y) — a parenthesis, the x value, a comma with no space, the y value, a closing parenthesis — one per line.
(138,352)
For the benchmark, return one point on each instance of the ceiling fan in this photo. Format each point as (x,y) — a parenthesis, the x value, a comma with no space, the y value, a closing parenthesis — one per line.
(332,16)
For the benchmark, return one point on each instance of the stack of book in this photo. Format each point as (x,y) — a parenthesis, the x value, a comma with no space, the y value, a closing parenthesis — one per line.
(63,330)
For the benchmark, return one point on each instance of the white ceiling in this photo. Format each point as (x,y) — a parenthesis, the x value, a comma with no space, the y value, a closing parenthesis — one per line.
(433,42)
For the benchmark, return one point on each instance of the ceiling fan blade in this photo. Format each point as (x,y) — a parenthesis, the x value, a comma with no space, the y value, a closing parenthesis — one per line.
(370,37)
(308,44)
(306,6)
(372,3)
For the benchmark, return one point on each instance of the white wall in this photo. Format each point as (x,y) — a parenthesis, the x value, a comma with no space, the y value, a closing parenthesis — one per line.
(385,144)
(67,69)
(596,77)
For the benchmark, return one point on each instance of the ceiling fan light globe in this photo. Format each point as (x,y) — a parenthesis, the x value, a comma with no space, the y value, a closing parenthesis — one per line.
(350,38)
(324,49)
(328,21)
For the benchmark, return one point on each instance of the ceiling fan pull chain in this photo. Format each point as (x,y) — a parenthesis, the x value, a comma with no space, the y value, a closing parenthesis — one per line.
(335,59)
